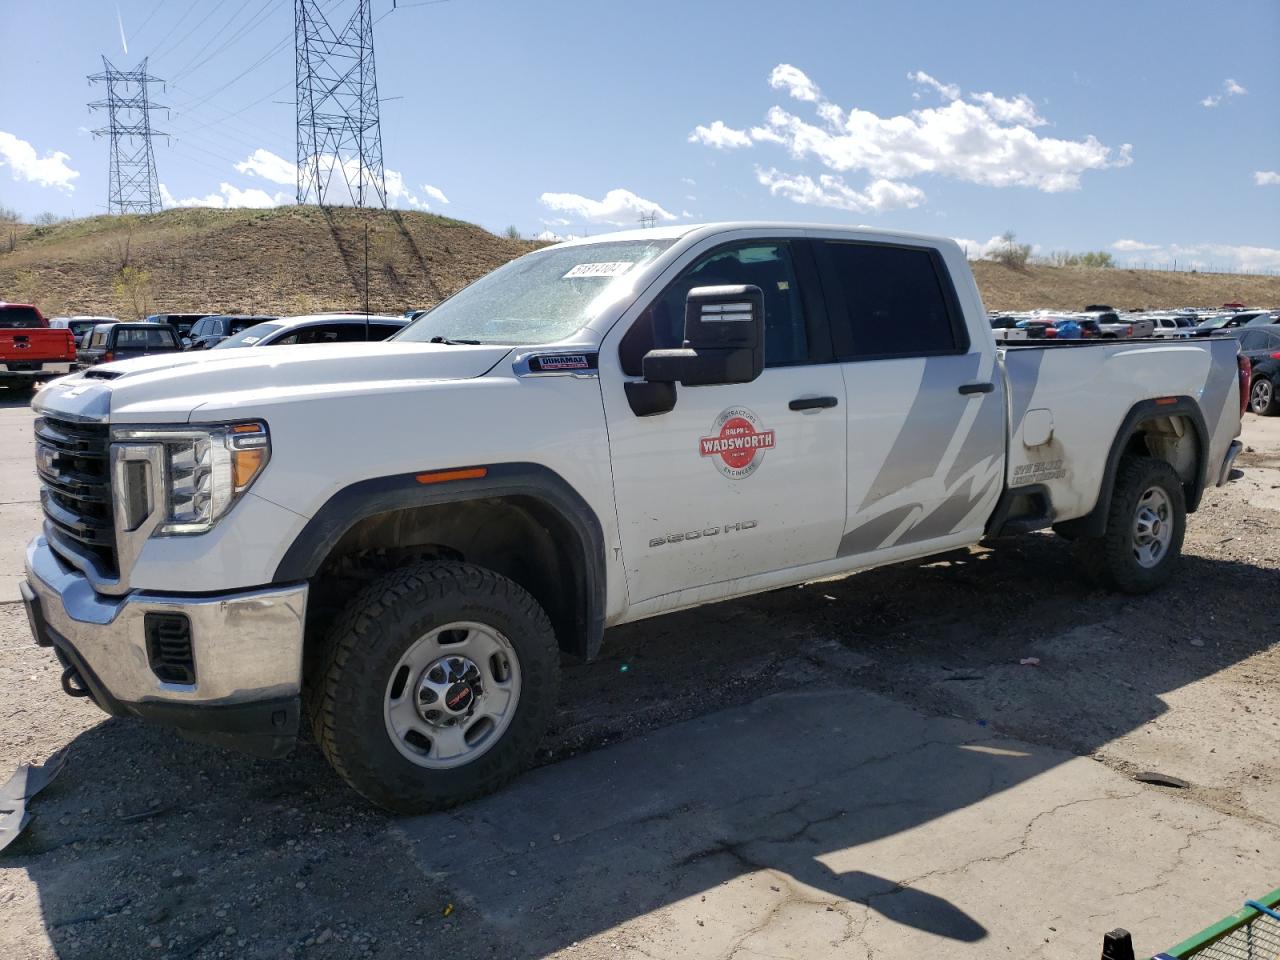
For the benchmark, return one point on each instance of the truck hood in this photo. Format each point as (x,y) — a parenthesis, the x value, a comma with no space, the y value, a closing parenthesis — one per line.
(171,386)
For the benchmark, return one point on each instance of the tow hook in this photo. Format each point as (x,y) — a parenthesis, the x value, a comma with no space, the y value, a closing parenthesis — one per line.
(73,684)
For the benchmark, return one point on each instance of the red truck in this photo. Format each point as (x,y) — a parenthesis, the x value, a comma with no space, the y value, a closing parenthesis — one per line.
(28,344)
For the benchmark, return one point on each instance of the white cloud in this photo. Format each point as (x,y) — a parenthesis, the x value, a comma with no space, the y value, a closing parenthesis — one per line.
(986,139)
(1131,246)
(24,163)
(976,250)
(832,191)
(228,196)
(948,90)
(435,193)
(549,237)
(719,136)
(1229,89)
(1203,256)
(267,165)
(689,180)
(1018,110)
(619,207)
(794,80)
(1266,178)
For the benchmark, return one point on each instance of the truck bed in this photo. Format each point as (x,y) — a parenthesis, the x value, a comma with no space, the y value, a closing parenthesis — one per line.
(1068,399)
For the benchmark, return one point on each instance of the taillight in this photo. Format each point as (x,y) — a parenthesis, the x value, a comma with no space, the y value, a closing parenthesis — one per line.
(1050,333)
(1246,380)
(108,357)
(1276,355)
(1130,333)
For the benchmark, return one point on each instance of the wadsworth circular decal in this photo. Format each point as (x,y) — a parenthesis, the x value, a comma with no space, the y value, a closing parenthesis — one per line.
(737,443)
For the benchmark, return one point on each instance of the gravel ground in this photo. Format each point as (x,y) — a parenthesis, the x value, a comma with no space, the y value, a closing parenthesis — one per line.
(149,846)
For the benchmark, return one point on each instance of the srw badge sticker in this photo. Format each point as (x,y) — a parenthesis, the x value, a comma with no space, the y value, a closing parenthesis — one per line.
(738,445)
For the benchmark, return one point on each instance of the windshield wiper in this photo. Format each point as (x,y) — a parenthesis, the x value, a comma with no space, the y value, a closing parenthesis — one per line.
(451,342)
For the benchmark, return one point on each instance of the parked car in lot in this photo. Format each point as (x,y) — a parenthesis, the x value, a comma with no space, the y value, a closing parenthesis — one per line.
(28,344)
(1111,326)
(1262,346)
(316,328)
(1262,318)
(1171,328)
(110,342)
(211,331)
(79,325)
(182,322)
(599,431)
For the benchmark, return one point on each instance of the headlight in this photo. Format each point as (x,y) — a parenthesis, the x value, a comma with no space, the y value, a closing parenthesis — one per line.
(204,470)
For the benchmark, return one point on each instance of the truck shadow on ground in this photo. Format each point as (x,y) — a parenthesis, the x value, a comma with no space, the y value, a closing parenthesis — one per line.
(148,839)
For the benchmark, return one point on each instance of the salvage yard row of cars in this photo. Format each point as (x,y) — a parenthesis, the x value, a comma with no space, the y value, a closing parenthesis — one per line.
(1106,323)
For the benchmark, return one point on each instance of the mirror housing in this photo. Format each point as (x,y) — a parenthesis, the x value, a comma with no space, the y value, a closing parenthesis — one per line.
(723,339)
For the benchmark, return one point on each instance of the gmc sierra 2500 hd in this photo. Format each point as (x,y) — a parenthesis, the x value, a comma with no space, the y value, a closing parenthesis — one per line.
(396,540)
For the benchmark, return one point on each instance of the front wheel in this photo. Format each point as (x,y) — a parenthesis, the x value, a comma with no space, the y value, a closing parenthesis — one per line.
(1145,526)
(1262,398)
(436,685)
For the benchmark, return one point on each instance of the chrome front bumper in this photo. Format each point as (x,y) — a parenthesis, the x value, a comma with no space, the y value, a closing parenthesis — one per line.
(247,647)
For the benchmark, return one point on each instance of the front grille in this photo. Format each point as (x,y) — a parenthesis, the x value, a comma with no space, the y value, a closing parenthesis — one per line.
(75,479)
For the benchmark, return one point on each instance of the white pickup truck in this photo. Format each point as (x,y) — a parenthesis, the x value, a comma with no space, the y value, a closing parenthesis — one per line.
(397,540)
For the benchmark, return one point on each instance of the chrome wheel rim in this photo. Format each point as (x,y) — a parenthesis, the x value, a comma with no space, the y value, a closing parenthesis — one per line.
(1261,395)
(452,695)
(1152,527)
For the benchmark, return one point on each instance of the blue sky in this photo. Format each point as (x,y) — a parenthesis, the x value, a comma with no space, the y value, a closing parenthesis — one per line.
(1148,129)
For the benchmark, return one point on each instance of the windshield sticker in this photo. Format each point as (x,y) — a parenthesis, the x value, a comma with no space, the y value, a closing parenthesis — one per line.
(610,268)
(737,443)
(252,339)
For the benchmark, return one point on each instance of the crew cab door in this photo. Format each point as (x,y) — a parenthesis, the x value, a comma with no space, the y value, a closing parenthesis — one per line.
(926,426)
(736,479)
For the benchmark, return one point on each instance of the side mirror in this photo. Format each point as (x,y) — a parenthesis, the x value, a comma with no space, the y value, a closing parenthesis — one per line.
(723,339)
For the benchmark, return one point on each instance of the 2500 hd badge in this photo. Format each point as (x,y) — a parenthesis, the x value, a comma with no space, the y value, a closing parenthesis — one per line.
(740,527)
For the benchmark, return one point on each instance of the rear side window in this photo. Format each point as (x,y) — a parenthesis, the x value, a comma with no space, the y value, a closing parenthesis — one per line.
(99,338)
(890,302)
(18,318)
(149,337)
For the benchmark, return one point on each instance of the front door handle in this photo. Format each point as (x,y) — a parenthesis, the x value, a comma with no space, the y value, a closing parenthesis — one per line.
(813,403)
(970,388)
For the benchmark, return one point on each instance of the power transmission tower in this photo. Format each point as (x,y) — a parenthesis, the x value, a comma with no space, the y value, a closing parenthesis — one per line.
(339,137)
(649,219)
(133,186)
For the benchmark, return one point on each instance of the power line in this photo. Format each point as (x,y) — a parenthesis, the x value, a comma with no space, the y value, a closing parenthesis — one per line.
(194,62)
(133,186)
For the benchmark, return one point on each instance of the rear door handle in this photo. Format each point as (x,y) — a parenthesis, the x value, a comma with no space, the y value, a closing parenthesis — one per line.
(813,403)
(969,388)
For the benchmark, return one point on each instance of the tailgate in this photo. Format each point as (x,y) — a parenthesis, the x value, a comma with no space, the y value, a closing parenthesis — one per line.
(34,344)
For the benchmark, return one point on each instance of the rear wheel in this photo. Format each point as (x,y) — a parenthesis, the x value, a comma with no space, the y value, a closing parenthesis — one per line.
(436,685)
(1145,526)
(1262,398)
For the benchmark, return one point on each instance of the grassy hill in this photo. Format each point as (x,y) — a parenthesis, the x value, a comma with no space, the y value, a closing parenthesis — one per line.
(293,260)
(287,260)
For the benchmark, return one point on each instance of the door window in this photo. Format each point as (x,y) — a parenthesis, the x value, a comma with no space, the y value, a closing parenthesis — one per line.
(890,301)
(768,265)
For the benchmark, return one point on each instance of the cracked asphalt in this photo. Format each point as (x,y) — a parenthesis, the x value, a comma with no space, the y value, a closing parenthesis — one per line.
(859,767)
